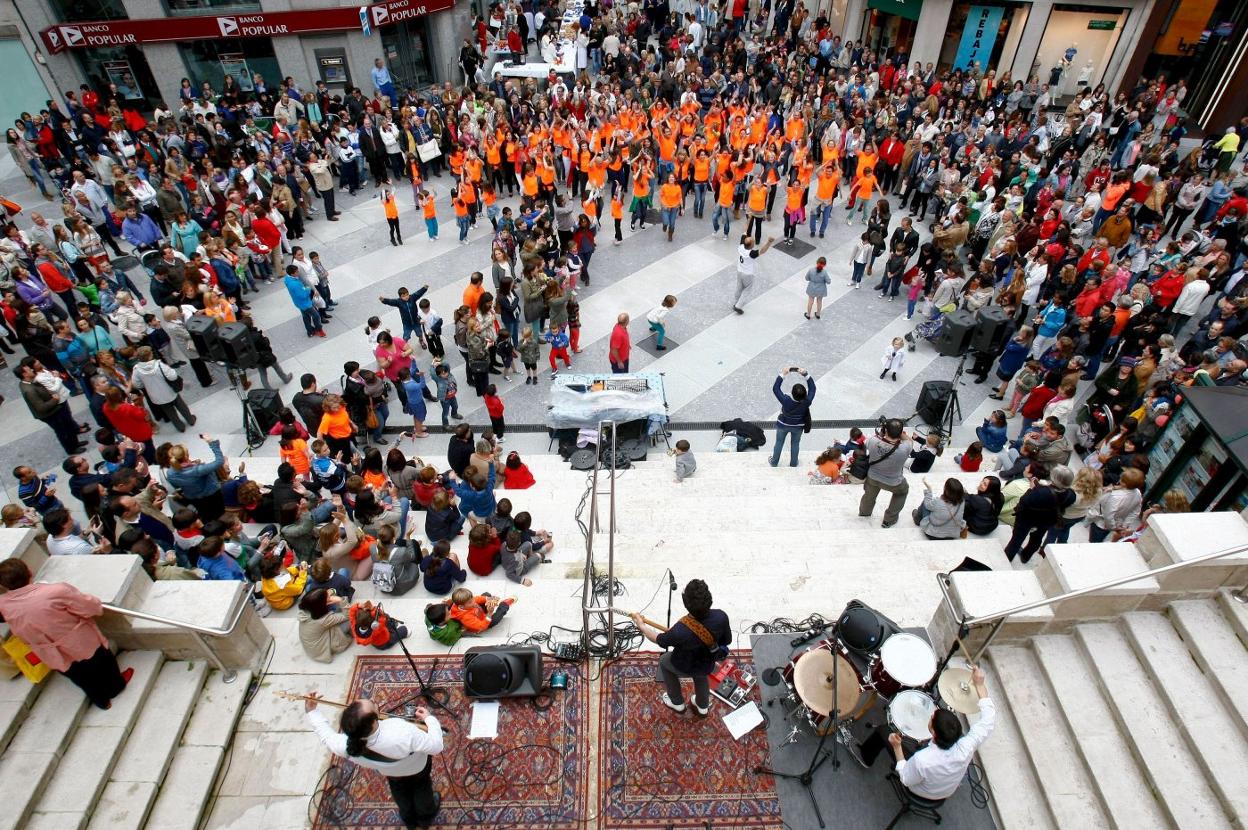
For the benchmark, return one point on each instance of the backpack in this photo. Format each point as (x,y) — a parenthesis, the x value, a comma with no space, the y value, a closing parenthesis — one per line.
(383,577)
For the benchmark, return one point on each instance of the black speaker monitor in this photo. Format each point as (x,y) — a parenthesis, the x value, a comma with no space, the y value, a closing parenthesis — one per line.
(266,405)
(502,671)
(237,346)
(990,328)
(933,399)
(205,334)
(955,335)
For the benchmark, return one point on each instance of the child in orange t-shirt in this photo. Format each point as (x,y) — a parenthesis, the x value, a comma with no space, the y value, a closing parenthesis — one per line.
(860,191)
(429,208)
(827,467)
(294,451)
(477,613)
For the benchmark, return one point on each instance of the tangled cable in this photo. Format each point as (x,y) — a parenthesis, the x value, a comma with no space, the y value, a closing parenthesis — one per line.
(784,625)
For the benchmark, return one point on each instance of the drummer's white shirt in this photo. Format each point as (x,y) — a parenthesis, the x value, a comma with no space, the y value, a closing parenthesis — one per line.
(935,773)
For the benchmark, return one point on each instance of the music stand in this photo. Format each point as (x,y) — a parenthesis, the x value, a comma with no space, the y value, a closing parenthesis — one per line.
(806,779)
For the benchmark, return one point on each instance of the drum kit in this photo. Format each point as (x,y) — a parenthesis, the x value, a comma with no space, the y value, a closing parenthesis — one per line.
(864,659)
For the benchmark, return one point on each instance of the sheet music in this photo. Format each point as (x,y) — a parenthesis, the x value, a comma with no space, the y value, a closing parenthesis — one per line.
(484,719)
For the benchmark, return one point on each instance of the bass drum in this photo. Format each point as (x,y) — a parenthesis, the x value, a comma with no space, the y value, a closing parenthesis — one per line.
(814,675)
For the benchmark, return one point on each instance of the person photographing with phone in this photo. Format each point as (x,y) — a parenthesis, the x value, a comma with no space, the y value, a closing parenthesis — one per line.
(402,750)
(794,418)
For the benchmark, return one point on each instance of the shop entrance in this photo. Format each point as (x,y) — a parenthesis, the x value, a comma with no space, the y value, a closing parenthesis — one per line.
(1077,47)
(890,25)
(1196,45)
(406,48)
(121,72)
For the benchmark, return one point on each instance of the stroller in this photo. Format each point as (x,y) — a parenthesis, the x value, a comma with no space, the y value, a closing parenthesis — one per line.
(929,330)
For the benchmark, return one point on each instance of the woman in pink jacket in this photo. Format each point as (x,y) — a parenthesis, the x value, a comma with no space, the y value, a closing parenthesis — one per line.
(57,622)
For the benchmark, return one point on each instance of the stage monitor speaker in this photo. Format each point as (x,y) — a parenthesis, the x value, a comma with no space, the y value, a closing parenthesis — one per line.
(266,405)
(238,347)
(206,335)
(955,334)
(990,328)
(502,671)
(933,400)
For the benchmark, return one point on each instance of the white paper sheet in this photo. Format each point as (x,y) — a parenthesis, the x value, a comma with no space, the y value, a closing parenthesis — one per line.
(742,720)
(485,719)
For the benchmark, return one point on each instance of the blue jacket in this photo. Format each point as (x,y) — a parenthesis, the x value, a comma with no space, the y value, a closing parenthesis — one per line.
(222,566)
(227,277)
(1052,319)
(199,480)
(140,231)
(991,436)
(409,310)
(1013,358)
(479,502)
(793,413)
(300,294)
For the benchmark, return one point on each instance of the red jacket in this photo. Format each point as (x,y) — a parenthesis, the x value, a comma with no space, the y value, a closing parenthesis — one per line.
(53,278)
(130,420)
(1167,288)
(482,559)
(1033,407)
(494,406)
(518,479)
(892,150)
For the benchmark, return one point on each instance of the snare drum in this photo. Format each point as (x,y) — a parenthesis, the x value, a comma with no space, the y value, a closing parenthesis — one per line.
(904,662)
(910,713)
(810,675)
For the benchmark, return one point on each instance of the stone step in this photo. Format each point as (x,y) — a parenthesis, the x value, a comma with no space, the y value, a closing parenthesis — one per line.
(1066,783)
(147,753)
(1124,793)
(132,805)
(1236,613)
(17,695)
(1017,795)
(28,765)
(1152,736)
(93,748)
(1222,656)
(1212,734)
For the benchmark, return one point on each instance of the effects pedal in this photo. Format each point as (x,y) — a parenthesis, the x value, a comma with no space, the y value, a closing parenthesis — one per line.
(568,652)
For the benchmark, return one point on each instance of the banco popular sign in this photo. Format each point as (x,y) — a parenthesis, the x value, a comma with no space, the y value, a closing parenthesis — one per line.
(208,27)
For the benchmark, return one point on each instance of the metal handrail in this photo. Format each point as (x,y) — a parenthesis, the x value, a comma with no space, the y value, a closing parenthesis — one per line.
(999,617)
(197,632)
(588,598)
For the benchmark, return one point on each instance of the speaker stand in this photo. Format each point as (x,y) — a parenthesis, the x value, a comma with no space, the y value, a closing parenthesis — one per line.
(953,406)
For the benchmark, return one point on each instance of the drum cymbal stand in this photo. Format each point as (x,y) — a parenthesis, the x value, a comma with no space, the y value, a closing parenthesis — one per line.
(807,778)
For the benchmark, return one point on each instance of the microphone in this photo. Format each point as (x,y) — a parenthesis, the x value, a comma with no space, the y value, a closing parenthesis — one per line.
(671,580)
(807,637)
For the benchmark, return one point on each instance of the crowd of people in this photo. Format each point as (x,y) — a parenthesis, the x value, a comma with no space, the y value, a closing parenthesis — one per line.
(1116,253)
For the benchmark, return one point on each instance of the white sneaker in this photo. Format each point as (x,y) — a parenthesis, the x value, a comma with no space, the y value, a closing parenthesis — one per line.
(667,701)
(700,710)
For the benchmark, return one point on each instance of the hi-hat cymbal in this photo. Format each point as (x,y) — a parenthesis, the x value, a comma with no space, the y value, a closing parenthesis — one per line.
(957,690)
(813,682)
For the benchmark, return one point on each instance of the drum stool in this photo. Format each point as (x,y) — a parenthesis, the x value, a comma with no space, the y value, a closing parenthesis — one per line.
(913,804)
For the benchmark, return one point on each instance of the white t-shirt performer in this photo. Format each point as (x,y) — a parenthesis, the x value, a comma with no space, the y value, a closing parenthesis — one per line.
(746,254)
(399,749)
(936,770)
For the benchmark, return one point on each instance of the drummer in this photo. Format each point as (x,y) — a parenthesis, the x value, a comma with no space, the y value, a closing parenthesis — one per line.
(935,770)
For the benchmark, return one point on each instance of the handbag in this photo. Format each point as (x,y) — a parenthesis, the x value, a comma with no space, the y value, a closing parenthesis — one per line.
(429,150)
(371,421)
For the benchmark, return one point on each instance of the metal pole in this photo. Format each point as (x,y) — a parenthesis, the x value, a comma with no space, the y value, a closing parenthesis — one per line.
(1241,595)
(979,652)
(227,675)
(611,546)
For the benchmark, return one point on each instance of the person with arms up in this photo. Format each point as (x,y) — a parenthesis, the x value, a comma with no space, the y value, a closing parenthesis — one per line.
(936,770)
(794,413)
(697,641)
(399,749)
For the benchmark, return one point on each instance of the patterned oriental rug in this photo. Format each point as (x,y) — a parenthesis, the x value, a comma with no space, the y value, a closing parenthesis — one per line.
(661,769)
(533,776)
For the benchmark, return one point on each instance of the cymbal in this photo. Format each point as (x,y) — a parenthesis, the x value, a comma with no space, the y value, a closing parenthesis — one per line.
(812,680)
(957,690)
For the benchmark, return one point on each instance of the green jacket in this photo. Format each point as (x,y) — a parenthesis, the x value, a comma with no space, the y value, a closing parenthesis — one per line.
(447,635)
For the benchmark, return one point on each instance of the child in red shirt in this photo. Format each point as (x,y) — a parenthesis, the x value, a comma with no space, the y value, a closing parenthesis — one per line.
(494,406)
(483,549)
(970,460)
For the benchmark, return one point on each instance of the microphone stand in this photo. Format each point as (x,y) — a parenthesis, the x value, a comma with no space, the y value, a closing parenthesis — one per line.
(807,778)
(671,589)
(437,698)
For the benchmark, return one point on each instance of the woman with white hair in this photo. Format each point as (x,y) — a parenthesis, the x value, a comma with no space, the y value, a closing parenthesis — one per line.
(129,319)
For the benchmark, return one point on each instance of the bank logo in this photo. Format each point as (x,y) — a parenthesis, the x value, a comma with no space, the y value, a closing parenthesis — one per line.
(72,34)
(54,38)
(228,26)
(380,15)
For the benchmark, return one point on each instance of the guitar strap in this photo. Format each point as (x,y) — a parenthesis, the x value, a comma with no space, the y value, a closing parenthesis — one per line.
(699,631)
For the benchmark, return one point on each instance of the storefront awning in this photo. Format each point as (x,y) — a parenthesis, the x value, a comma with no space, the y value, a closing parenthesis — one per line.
(908,9)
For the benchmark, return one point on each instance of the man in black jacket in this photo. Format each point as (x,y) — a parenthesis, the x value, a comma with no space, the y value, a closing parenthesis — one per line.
(309,402)
(49,407)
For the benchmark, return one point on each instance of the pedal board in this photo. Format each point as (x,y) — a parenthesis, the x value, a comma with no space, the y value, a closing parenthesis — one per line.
(568,652)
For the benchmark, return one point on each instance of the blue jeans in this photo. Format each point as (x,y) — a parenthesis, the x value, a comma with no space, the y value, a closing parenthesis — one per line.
(823,213)
(665,168)
(449,407)
(311,320)
(725,212)
(462,221)
(794,434)
(669,217)
(660,331)
(860,268)
(910,304)
(431,228)
(699,198)
(383,412)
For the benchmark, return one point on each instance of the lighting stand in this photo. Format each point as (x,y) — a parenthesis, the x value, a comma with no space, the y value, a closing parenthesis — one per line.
(806,779)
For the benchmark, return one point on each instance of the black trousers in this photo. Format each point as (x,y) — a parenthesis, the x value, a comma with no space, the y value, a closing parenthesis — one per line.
(414,796)
(98,676)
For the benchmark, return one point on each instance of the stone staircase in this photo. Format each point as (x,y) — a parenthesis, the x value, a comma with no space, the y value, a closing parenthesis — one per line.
(149,761)
(1131,709)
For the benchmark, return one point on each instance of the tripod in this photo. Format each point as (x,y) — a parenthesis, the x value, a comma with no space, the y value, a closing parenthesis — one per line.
(953,406)
(437,698)
(252,430)
(806,779)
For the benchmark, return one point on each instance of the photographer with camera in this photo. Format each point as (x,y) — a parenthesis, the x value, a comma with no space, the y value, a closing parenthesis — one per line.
(887,452)
(794,418)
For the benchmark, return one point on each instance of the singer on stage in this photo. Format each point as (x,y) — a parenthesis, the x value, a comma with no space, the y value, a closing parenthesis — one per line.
(397,748)
(697,641)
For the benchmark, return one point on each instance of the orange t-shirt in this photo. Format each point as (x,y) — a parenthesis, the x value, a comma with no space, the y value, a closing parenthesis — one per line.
(430,208)
(617,208)
(793,197)
(669,195)
(827,185)
(391,206)
(296,456)
(701,170)
(864,186)
(758,197)
(336,424)
(472,296)
(725,194)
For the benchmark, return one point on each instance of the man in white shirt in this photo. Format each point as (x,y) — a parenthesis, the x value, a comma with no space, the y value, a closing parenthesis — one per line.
(746,254)
(936,770)
(399,749)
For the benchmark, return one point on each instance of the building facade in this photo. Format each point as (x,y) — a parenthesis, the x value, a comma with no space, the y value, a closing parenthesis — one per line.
(148,47)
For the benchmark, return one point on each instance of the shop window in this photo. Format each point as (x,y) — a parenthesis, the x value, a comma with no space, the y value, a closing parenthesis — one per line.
(209,61)
(188,7)
(406,50)
(72,11)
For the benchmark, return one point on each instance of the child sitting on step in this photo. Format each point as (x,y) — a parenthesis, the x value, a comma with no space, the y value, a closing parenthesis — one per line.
(477,613)
(827,467)
(519,558)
